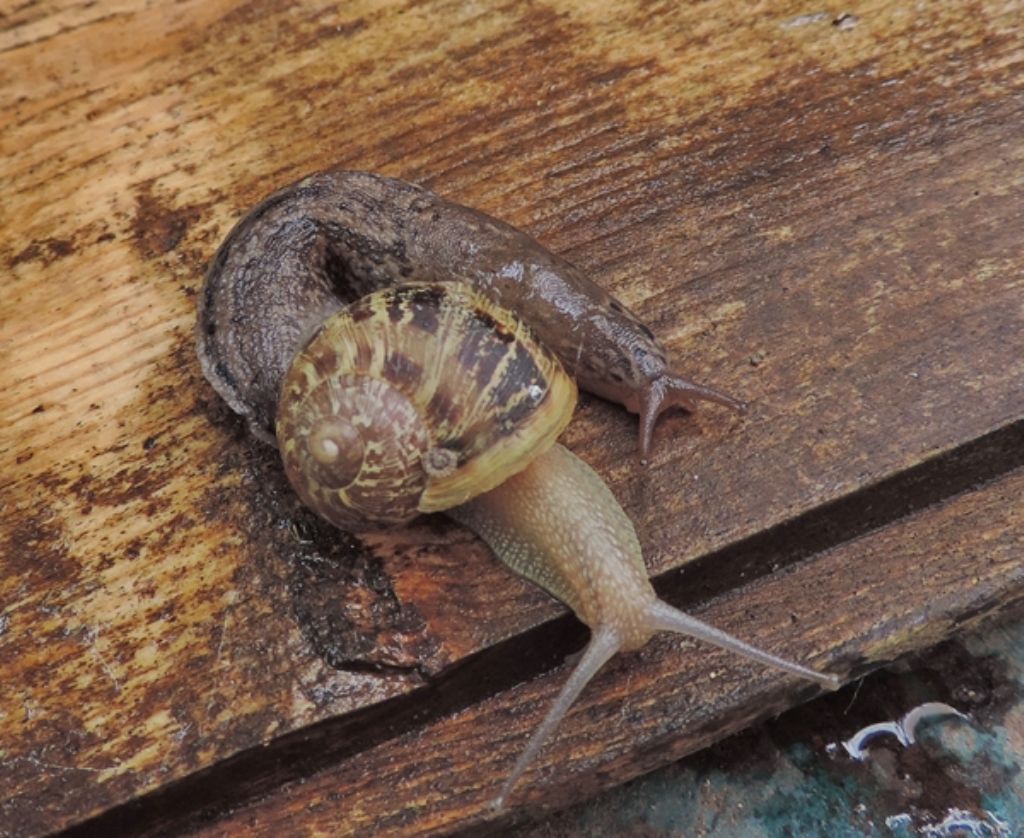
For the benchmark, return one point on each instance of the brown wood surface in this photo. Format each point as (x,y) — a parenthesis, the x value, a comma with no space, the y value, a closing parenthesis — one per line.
(670,700)
(822,215)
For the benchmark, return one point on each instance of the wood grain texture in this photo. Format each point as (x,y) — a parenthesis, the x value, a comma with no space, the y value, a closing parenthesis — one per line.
(824,219)
(670,700)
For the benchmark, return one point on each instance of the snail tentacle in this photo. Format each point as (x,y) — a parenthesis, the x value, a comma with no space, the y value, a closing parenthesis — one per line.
(603,646)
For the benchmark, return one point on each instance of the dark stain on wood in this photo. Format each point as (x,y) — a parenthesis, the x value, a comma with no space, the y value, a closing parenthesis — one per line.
(345,605)
(158,229)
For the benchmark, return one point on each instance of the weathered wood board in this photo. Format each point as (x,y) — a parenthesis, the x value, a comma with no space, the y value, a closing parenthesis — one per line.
(822,214)
(669,700)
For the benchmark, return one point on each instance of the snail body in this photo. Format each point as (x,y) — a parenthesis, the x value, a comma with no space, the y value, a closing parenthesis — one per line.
(426,396)
(336,236)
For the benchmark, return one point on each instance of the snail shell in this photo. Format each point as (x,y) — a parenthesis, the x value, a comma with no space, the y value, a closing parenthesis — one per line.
(415,399)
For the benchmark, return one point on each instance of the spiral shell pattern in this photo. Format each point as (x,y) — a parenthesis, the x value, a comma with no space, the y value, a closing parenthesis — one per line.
(416,399)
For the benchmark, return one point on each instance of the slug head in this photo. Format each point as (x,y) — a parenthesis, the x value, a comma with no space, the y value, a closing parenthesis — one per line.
(629,367)
(665,389)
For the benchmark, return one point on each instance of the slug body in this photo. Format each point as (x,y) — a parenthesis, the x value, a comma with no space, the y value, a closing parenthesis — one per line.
(431,394)
(335,236)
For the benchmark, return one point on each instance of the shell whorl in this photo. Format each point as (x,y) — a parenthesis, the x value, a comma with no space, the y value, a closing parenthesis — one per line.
(415,399)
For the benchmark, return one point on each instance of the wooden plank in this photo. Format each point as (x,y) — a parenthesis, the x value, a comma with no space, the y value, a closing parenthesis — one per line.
(823,220)
(951,563)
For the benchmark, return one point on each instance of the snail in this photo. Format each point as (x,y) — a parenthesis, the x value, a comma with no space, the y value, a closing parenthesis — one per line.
(408,355)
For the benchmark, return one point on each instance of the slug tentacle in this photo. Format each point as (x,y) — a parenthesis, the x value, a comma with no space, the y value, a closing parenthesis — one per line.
(670,390)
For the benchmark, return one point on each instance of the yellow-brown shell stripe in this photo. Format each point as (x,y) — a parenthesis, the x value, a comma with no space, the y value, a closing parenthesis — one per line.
(464,357)
(456,354)
(493,395)
(485,389)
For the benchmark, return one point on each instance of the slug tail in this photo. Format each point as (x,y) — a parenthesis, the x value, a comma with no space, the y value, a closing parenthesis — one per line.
(602,646)
(669,390)
(663,617)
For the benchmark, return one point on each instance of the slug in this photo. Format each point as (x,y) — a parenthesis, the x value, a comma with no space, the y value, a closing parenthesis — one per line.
(334,236)
(428,393)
